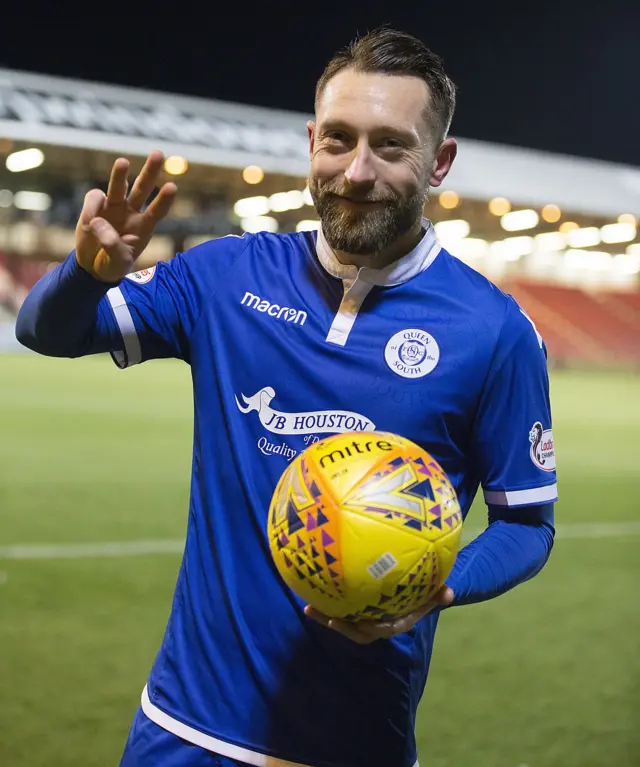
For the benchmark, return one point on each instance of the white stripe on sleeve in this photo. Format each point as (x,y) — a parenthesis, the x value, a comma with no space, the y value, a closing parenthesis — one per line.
(132,354)
(546,494)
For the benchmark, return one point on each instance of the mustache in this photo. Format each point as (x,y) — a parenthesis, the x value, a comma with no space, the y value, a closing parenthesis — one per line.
(353,194)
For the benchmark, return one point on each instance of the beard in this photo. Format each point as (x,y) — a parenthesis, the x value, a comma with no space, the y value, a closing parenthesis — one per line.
(364,232)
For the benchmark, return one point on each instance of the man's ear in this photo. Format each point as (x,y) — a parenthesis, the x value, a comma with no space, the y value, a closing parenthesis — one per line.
(443,161)
(311,132)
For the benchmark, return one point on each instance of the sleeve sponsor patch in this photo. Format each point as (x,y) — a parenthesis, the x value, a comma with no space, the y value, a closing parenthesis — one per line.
(144,275)
(542,450)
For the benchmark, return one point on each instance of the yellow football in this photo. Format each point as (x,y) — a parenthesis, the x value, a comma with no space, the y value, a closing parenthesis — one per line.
(364,525)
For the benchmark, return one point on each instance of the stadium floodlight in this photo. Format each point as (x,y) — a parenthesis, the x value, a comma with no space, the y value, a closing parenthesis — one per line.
(568,226)
(251,206)
(499,206)
(634,250)
(32,201)
(575,259)
(307,225)
(6,198)
(282,201)
(306,196)
(471,248)
(176,165)
(25,159)
(518,246)
(255,224)
(591,260)
(600,260)
(456,229)
(253,174)
(550,241)
(449,199)
(518,220)
(278,202)
(513,248)
(627,218)
(624,232)
(584,238)
(551,213)
(627,263)
(295,199)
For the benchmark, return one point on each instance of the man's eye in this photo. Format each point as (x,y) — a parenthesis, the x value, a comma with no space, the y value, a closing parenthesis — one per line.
(337,137)
(391,143)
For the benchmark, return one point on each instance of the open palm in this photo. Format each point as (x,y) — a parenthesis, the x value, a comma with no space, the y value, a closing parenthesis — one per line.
(115,228)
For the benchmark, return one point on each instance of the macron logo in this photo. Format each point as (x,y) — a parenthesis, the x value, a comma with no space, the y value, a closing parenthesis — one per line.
(274,310)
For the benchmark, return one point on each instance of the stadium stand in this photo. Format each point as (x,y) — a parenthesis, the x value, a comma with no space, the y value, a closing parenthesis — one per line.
(598,328)
(76,136)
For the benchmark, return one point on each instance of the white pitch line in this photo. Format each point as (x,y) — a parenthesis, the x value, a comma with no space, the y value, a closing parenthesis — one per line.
(91,550)
(598,530)
(579,531)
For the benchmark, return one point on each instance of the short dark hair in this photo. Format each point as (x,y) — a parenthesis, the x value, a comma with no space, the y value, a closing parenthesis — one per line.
(391,52)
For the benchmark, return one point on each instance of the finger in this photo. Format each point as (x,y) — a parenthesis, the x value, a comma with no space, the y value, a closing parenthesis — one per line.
(444,597)
(408,621)
(117,191)
(146,181)
(93,204)
(352,631)
(162,202)
(378,629)
(404,624)
(349,630)
(110,240)
(400,625)
(317,616)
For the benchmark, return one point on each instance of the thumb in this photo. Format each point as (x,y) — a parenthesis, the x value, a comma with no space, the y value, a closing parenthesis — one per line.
(444,597)
(116,255)
(109,239)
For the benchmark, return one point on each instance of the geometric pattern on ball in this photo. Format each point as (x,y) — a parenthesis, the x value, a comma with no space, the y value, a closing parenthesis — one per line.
(305,533)
(364,525)
(405,490)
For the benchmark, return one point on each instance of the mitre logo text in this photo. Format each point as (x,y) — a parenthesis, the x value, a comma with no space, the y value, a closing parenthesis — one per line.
(357,447)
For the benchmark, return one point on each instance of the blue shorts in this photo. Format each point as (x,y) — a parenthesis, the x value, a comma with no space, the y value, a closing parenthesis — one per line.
(148,745)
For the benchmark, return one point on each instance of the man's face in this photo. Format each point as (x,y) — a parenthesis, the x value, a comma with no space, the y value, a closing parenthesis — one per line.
(372,155)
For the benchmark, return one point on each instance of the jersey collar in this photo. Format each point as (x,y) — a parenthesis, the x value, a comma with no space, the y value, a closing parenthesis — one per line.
(416,261)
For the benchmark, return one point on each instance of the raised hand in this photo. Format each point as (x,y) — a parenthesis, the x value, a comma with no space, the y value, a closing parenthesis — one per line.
(114,229)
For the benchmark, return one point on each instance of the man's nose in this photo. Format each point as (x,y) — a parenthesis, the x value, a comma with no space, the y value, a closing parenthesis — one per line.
(361,170)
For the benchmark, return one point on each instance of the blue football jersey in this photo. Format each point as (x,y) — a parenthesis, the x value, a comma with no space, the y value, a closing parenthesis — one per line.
(286,346)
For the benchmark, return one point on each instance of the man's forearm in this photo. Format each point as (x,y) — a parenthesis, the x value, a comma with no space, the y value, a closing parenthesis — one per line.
(59,316)
(501,557)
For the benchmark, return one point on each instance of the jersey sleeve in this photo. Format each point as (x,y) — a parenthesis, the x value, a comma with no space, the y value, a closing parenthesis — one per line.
(157,309)
(512,435)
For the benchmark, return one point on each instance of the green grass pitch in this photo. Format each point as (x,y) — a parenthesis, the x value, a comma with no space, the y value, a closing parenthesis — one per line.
(545,676)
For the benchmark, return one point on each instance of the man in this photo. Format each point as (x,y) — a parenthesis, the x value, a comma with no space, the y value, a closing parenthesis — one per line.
(279,325)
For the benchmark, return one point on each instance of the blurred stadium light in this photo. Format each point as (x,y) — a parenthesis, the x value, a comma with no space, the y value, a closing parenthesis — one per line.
(24,159)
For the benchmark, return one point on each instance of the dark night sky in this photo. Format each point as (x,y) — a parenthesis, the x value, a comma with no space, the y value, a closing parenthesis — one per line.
(566,79)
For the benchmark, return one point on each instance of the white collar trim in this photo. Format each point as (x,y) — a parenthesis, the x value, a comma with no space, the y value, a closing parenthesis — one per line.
(402,270)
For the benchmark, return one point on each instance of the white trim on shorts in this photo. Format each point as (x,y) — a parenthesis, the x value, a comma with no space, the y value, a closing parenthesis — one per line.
(209,743)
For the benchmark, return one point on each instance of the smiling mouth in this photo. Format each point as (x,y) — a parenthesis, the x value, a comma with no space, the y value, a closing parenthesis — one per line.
(355,201)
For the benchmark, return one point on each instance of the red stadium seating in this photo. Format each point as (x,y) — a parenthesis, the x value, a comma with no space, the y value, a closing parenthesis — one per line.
(623,305)
(597,328)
